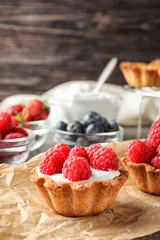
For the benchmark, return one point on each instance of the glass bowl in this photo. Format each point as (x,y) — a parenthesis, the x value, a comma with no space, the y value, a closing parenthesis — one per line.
(16,151)
(84,139)
(41,129)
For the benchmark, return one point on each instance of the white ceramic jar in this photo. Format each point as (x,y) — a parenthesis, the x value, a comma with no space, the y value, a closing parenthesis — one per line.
(72,100)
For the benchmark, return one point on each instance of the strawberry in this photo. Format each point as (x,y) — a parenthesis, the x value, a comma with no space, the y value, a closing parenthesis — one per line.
(34,106)
(5,123)
(14,109)
(26,116)
(43,115)
(14,135)
(19,130)
(15,121)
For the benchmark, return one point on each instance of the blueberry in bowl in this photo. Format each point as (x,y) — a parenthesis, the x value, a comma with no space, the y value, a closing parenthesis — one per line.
(91,117)
(90,129)
(112,126)
(75,127)
(61,125)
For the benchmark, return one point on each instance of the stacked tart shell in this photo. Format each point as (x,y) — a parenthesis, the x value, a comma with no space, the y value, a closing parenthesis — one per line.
(139,74)
(75,199)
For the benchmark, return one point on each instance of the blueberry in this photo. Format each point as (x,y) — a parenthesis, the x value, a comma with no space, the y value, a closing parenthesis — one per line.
(82,122)
(91,117)
(104,123)
(82,141)
(112,126)
(61,125)
(75,127)
(94,128)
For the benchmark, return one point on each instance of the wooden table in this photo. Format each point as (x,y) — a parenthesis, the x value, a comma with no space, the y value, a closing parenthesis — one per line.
(45,43)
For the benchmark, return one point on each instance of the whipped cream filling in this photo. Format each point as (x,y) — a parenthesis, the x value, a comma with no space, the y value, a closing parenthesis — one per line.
(97,175)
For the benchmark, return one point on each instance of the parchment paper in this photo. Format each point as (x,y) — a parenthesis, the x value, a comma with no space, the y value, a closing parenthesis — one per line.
(24,214)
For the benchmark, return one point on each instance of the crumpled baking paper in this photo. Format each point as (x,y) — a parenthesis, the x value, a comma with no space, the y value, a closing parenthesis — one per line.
(24,214)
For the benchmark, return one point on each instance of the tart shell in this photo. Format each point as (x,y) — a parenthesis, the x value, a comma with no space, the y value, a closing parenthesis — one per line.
(146,177)
(139,74)
(75,199)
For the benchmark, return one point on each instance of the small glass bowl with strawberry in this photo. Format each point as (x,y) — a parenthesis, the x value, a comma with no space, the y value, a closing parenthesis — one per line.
(33,115)
(15,141)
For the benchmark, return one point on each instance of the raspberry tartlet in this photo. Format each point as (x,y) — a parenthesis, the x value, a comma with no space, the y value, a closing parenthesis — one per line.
(72,185)
(142,161)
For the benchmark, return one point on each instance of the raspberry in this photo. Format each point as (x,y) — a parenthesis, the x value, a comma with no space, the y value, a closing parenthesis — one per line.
(92,149)
(52,162)
(158,150)
(136,151)
(105,159)
(154,134)
(5,123)
(20,130)
(155,162)
(150,151)
(64,148)
(76,169)
(78,151)
(13,135)
(14,109)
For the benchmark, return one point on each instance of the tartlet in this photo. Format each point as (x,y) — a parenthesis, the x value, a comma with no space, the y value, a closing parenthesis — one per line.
(76,199)
(146,177)
(139,74)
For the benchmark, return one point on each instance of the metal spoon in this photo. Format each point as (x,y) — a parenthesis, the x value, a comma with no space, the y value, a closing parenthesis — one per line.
(106,73)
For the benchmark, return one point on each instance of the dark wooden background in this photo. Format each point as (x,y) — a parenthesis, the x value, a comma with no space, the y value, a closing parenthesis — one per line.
(44,43)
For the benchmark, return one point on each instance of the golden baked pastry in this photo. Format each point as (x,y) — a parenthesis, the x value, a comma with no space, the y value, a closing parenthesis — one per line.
(75,199)
(155,63)
(146,177)
(79,181)
(139,74)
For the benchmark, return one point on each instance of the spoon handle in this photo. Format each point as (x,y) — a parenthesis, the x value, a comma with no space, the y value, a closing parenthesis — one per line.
(105,74)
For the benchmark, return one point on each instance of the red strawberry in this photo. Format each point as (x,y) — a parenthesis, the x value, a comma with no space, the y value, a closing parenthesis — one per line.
(13,135)
(19,130)
(14,109)
(44,114)
(26,116)
(5,123)
(15,121)
(35,107)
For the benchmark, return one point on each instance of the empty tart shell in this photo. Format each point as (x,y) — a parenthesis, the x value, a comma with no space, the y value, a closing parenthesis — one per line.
(139,74)
(146,177)
(75,199)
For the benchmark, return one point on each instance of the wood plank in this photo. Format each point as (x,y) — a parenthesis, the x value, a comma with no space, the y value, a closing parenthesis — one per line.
(45,43)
